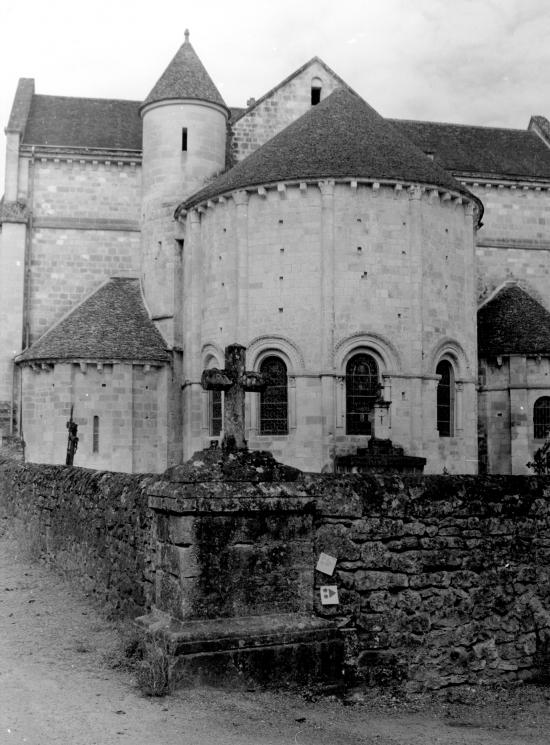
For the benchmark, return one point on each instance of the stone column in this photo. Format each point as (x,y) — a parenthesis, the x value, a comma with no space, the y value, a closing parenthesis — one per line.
(327,320)
(241,228)
(416,330)
(192,363)
(520,419)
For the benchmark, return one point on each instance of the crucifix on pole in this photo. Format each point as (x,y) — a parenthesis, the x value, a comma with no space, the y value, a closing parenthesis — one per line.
(234,380)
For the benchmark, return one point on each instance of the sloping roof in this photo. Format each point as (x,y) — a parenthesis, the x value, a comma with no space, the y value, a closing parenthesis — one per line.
(21,105)
(491,151)
(513,323)
(112,324)
(185,77)
(339,138)
(100,123)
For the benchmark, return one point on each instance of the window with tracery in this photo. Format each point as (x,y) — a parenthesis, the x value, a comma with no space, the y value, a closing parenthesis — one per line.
(445,399)
(362,388)
(274,398)
(541,418)
(215,413)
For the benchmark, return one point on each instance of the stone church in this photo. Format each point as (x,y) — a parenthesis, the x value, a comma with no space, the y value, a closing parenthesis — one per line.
(390,278)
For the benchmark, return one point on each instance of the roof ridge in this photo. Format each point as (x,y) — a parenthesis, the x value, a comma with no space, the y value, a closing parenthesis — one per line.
(455,124)
(87,98)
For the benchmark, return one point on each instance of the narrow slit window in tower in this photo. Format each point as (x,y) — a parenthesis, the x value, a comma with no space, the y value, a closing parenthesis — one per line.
(184,139)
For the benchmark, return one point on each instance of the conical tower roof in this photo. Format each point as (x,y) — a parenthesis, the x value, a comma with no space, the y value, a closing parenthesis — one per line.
(185,77)
(342,137)
(513,322)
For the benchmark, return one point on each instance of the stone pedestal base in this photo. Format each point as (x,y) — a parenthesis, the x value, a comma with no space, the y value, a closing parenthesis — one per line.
(276,649)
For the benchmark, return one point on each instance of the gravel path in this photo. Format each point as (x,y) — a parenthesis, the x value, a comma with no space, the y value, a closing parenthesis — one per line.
(57,686)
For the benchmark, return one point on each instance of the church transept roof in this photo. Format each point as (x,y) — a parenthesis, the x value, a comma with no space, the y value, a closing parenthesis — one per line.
(513,322)
(342,137)
(492,151)
(185,77)
(112,324)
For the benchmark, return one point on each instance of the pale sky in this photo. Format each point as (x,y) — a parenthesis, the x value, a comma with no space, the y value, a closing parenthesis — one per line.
(474,61)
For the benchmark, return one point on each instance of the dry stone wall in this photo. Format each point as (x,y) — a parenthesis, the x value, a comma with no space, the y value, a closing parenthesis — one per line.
(93,525)
(446,579)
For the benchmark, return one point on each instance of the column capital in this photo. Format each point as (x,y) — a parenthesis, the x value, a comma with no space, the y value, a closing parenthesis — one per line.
(240,198)
(326,188)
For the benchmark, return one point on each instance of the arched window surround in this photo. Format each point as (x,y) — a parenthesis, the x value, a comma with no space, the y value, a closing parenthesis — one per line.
(212,408)
(446,397)
(258,350)
(541,418)
(362,380)
(380,349)
(273,403)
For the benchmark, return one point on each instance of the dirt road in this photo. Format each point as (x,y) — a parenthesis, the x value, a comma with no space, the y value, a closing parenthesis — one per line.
(57,686)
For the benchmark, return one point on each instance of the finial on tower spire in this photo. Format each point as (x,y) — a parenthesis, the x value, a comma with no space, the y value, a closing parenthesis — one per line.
(186,34)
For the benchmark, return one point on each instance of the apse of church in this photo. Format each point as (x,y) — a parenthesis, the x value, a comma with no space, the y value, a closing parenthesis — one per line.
(346,252)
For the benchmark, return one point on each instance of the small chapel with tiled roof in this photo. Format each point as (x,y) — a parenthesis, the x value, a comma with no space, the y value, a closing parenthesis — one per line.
(390,279)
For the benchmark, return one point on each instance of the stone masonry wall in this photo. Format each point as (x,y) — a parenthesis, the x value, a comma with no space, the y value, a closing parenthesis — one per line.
(93,525)
(514,240)
(447,579)
(280,108)
(85,229)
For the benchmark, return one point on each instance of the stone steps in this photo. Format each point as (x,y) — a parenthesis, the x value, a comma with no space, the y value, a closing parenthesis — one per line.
(275,649)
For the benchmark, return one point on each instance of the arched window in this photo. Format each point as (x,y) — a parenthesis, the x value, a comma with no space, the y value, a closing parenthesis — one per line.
(361,393)
(215,415)
(316,86)
(541,418)
(274,398)
(445,399)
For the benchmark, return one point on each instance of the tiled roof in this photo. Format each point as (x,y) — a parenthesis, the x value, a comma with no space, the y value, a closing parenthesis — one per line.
(185,77)
(339,138)
(21,104)
(84,123)
(112,324)
(513,323)
(491,151)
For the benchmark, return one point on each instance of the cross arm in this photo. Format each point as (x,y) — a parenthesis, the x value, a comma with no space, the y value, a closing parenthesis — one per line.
(215,380)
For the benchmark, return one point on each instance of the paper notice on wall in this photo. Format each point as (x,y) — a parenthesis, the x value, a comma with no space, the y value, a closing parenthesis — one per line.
(329,595)
(326,564)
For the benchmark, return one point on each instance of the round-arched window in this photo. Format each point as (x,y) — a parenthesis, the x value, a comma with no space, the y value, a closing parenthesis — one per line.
(274,398)
(445,399)
(361,392)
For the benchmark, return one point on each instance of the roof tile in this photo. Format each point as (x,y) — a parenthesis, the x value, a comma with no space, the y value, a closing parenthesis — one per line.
(513,323)
(340,137)
(112,324)
(101,123)
(185,77)
(490,151)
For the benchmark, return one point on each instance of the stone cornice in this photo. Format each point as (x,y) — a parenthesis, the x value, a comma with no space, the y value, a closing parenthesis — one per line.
(81,155)
(492,182)
(397,186)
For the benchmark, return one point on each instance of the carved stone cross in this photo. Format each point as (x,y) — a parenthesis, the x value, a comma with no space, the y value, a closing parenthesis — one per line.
(234,381)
